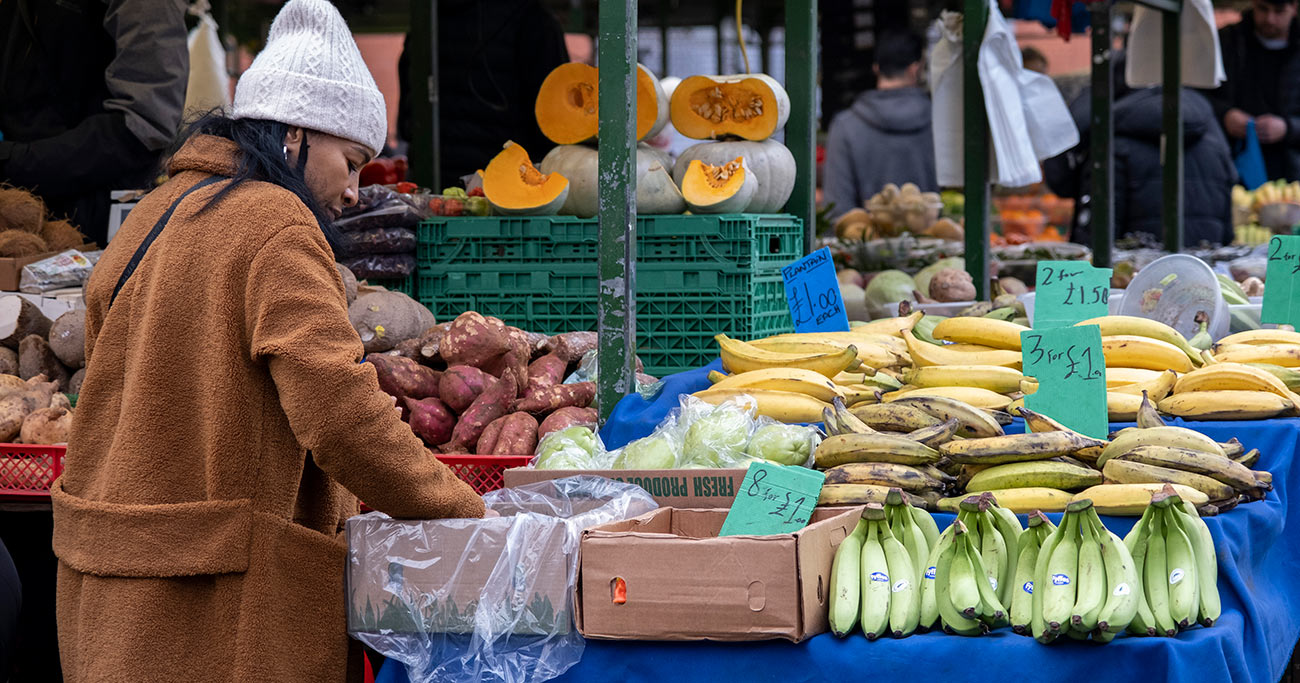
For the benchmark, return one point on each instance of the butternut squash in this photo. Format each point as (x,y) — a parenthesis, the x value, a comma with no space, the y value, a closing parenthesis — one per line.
(749,106)
(726,188)
(656,193)
(513,186)
(567,106)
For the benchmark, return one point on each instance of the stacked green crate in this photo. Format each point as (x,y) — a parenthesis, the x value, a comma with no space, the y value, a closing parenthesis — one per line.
(697,276)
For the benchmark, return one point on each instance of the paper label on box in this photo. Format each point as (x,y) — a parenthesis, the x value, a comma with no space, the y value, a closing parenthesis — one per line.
(773,499)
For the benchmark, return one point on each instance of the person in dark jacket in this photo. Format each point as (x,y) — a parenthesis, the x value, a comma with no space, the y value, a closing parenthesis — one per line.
(493,56)
(91,93)
(1261,58)
(1208,169)
(885,137)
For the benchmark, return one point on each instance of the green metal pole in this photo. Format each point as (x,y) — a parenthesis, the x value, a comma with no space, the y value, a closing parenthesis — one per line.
(615,164)
(1172,139)
(976,142)
(1102,132)
(801,129)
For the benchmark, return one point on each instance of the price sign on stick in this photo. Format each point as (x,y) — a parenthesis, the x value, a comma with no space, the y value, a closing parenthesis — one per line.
(1069,291)
(1071,374)
(813,292)
(773,499)
(1282,281)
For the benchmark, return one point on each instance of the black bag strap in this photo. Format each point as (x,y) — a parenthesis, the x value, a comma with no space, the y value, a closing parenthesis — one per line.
(153,234)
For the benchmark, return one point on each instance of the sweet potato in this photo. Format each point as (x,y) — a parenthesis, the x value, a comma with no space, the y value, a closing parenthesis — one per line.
(382,319)
(431,342)
(474,340)
(409,349)
(540,344)
(36,358)
(68,338)
(496,401)
(546,371)
(488,440)
(552,398)
(46,426)
(404,378)
(461,385)
(567,417)
(8,361)
(74,383)
(572,346)
(431,420)
(518,435)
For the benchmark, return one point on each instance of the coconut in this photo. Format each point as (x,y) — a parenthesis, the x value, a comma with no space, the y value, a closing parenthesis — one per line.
(20,210)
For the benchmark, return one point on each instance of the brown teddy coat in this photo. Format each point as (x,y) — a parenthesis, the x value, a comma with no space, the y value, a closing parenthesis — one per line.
(225,417)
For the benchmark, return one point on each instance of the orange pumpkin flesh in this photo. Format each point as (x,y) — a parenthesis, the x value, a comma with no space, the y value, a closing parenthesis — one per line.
(752,107)
(567,108)
(726,188)
(514,186)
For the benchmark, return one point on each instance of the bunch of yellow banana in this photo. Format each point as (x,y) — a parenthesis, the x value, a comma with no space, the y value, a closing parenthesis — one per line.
(1269,347)
(878,570)
(1133,342)
(1173,554)
(970,575)
(1229,391)
(1083,582)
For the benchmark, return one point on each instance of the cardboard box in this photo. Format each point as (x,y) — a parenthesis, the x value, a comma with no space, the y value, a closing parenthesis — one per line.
(428,576)
(684,583)
(669,488)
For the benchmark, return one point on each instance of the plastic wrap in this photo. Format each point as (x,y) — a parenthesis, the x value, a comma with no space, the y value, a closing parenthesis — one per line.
(481,599)
(662,450)
(380,266)
(378,241)
(395,212)
(716,436)
(574,448)
(66,269)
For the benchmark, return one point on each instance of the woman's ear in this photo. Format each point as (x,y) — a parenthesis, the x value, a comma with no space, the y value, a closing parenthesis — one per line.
(292,142)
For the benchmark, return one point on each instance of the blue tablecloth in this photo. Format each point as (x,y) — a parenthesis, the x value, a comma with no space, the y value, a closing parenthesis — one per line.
(1259,562)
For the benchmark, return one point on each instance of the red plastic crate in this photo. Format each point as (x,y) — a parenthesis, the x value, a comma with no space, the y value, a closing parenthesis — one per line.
(26,472)
(483,472)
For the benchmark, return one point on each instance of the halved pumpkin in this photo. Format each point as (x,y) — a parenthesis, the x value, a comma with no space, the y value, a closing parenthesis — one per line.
(770,161)
(567,106)
(513,186)
(750,106)
(656,193)
(726,188)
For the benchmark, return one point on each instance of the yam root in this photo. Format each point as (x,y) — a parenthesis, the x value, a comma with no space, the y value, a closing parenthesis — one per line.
(431,342)
(349,282)
(36,358)
(572,346)
(431,420)
(461,385)
(404,378)
(21,210)
(60,401)
(488,440)
(497,401)
(518,435)
(74,383)
(382,319)
(61,236)
(552,398)
(12,383)
(20,318)
(21,243)
(13,411)
(39,392)
(475,340)
(46,426)
(68,338)
(8,361)
(567,417)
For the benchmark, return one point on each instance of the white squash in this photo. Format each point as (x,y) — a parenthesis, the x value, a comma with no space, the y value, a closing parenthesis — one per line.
(656,193)
(770,161)
(645,86)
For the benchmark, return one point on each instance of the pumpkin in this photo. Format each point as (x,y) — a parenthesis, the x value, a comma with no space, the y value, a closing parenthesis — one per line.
(770,161)
(513,186)
(656,193)
(749,106)
(567,107)
(725,188)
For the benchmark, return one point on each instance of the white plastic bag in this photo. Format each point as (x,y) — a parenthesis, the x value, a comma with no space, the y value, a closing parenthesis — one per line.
(947,103)
(1202,57)
(209,83)
(514,576)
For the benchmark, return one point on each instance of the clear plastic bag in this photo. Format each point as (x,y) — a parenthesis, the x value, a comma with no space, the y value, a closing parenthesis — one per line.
(574,448)
(662,450)
(716,436)
(378,241)
(66,269)
(380,266)
(481,599)
(380,207)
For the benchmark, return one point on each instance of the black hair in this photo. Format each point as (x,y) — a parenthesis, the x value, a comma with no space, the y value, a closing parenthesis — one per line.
(1280,3)
(262,158)
(897,51)
(1031,54)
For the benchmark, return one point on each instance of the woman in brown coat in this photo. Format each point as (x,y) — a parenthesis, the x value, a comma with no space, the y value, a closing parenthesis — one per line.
(225,418)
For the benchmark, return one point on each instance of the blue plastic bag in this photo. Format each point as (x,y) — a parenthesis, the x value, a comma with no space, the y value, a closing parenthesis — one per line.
(1250,160)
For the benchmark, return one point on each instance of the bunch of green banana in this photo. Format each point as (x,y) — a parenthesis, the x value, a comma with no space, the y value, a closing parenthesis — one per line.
(1084,582)
(1174,554)
(1177,455)
(1022,590)
(876,576)
(969,578)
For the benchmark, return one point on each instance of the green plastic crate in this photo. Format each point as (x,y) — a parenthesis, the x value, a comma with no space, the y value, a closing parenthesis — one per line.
(406,285)
(697,276)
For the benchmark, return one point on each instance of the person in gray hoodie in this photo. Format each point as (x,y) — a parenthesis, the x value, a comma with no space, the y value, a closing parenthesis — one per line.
(885,136)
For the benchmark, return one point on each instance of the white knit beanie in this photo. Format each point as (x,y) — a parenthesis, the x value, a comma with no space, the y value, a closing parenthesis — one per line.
(311,75)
